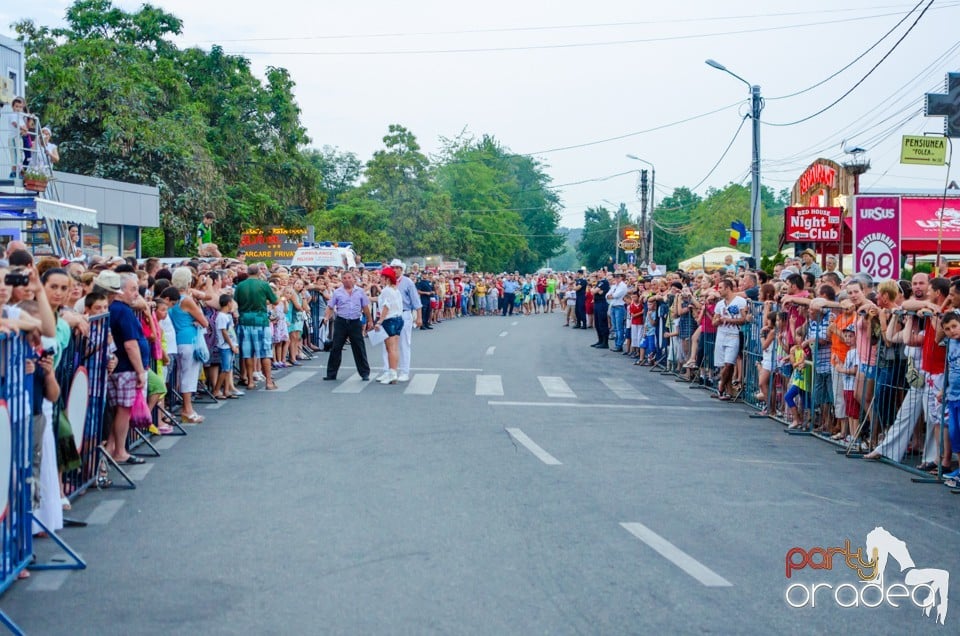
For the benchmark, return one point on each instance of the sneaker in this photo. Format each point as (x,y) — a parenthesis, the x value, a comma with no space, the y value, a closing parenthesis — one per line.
(383,375)
(952,475)
(403,377)
(153,430)
(258,377)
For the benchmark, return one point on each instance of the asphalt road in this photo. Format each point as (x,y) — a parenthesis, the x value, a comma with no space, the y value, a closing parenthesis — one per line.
(564,491)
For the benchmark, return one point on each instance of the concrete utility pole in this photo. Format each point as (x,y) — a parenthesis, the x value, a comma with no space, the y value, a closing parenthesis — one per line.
(653,207)
(643,216)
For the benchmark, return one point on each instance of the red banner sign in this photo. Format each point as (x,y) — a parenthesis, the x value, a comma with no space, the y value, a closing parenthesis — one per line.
(817,175)
(812,225)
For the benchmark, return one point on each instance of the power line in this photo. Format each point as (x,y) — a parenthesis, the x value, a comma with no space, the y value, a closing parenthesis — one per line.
(572,45)
(855,60)
(862,79)
(562,27)
(725,151)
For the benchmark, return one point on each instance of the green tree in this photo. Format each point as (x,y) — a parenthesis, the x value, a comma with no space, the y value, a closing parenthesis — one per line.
(597,245)
(360,219)
(129,105)
(339,172)
(671,224)
(398,178)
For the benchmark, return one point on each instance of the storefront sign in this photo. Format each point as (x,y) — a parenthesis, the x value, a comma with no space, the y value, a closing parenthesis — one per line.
(818,174)
(812,225)
(277,244)
(876,236)
(923,151)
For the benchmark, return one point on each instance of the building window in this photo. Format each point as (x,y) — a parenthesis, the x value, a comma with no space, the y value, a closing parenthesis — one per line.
(131,240)
(90,240)
(110,240)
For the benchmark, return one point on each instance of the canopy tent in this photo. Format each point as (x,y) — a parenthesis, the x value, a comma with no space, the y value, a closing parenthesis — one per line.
(712,258)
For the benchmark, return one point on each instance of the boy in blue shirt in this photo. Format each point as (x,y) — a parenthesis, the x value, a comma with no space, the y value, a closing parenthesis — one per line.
(951,329)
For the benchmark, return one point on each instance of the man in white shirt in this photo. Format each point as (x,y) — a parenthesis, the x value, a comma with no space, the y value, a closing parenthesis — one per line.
(411,318)
(729,314)
(618,310)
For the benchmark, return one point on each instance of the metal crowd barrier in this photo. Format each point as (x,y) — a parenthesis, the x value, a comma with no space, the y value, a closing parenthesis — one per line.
(88,356)
(16,454)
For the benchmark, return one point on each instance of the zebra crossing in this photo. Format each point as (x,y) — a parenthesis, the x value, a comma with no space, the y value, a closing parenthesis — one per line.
(496,386)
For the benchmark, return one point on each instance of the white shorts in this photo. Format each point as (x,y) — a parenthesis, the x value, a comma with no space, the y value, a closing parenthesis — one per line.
(726,351)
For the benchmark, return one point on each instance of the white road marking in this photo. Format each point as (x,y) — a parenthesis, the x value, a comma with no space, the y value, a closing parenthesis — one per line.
(555,387)
(430,369)
(675,555)
(681,388)
(167,441)
(533,447)
(422,384)
(772,462)
(47,580)
(633,407)
(139,472)
(490,350)
(514,323)
(353,384)
(294,378)
(503,334)
(622,389)
(840,502)
(104,512)
(489,385)
(214,407)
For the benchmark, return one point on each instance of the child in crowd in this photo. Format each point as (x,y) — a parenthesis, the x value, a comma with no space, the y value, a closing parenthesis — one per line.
(281,337)
(635,311)
(648,353)
(227,343)
(570,298)
(951,329)
(768,337)
(848,369)
(797,391)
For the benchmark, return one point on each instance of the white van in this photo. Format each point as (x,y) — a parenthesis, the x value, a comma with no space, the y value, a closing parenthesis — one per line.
(340,257)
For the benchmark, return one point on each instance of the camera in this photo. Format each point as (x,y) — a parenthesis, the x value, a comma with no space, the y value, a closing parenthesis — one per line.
(16,278)
(46,353)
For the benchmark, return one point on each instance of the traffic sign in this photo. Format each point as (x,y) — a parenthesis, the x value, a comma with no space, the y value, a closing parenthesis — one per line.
(629,244)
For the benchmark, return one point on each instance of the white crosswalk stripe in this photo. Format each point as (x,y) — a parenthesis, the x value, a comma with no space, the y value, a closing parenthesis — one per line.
(489,385)
(556,387)
(422,384)
(353,384)
(622,389)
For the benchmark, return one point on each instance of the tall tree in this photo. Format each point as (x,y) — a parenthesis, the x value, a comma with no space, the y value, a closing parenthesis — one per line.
(339,172)
(598,243)
(671,224)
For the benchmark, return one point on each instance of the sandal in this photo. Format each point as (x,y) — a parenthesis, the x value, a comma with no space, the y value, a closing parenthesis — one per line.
(193,418)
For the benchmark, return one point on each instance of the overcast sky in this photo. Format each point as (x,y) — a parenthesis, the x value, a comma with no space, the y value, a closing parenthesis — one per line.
(568,73)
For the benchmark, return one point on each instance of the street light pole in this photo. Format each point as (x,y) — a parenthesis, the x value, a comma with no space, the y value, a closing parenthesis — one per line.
(756,105)
(653,205)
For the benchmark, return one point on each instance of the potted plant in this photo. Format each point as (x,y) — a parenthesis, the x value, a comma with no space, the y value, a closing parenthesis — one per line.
(35,180)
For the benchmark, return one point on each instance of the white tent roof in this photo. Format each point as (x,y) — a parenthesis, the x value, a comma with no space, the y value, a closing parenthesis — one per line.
(711,258)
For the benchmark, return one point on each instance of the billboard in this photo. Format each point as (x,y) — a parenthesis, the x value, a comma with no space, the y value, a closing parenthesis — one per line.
(812,225)
(876,236)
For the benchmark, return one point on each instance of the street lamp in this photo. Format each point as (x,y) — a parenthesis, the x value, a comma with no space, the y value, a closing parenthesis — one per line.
(648,252)
(756,105)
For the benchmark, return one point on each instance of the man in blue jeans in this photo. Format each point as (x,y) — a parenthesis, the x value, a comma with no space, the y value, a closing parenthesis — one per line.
(510,287)
(618,310)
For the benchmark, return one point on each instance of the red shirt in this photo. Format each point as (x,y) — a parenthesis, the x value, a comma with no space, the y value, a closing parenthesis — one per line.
(636,313)
(933,357)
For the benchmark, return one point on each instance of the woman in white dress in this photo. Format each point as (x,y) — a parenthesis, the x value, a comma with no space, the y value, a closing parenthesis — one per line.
(391,321)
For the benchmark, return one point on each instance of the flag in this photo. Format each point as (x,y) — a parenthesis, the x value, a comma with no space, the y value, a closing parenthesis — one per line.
(734,238)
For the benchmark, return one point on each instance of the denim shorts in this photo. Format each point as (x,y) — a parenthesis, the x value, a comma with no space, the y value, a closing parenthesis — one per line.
(868,370)
(226,359)
(393,326)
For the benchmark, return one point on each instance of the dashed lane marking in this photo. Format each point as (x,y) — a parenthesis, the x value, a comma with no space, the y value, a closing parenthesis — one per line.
(104,512)
(490,350)
(556,387)
(503,334)
(422,384)
(489,385)
(622,389)
(47,580)
(353,384)
(533,447)
(675,555)
(292,379)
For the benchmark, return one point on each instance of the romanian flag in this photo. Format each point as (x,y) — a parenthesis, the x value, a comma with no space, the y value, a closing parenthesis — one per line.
(737,231)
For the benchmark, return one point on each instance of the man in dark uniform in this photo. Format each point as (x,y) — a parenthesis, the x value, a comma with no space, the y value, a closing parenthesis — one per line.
(580,309)
(425,289)
(600,308)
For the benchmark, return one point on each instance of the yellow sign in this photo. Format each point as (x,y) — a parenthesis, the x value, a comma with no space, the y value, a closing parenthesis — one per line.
(923,151)
(629,244)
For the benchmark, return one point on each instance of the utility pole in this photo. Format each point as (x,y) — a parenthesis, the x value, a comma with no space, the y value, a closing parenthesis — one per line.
(643,216)
(756,103)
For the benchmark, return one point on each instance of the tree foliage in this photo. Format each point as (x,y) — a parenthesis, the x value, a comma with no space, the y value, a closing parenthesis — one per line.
(127,104)
(598,243)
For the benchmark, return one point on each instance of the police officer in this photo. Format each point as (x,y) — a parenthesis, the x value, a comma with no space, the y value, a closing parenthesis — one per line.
(600,309)
(425,290)
(580,308)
